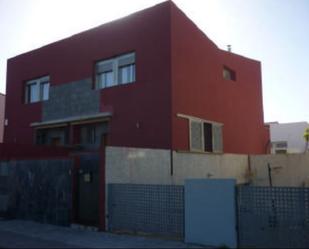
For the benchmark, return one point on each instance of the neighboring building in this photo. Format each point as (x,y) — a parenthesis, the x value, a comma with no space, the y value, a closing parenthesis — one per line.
(287,137)
(150,80)
(2,106)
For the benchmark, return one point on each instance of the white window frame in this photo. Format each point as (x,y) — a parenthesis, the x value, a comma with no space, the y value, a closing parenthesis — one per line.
(37,82)
(115,69)
(201,121)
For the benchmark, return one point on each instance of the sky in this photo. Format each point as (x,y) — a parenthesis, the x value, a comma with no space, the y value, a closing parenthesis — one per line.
(275,32)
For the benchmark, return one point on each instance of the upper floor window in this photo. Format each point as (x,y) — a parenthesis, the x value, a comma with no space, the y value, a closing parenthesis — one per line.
(37,90)
(229,74)
(116,71)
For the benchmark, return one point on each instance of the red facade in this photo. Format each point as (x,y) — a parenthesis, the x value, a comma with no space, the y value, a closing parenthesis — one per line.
(2,104)
(178,71)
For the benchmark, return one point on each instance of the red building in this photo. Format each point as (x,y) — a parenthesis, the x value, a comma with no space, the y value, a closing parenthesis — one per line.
(151,80)
(2,102)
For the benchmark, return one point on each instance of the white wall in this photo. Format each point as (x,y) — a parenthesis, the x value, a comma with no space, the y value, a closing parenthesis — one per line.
(292,133)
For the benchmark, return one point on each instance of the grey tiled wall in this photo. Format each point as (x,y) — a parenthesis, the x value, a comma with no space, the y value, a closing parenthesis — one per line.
(154,209)
(38,190)
(275,217)
(71,99)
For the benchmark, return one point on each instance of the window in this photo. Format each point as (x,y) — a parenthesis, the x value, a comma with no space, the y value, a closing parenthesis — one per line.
(229,74)
(126,74)
(280,147)
(205,136)
(44,90)
(116,71)
(196,135)
(37,90)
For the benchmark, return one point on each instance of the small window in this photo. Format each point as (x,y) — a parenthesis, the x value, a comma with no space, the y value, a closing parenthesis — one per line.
(205,136)
(116,71)
(229,74)
(281,144)
(280,147)
(37,90)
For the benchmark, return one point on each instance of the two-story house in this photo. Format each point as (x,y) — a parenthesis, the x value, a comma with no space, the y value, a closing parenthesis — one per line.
(152,79)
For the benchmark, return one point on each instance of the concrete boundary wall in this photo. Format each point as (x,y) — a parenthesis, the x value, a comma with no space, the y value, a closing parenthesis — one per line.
(154,166)
(287,170)
(163,167)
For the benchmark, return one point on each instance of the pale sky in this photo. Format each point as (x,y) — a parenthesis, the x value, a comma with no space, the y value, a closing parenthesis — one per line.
(275,32)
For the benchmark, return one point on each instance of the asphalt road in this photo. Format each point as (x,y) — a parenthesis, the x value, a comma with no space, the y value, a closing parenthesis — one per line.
(28,234)
(15,240)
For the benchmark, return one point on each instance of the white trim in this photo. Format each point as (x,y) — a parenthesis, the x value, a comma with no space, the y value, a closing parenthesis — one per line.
(198,119)
(74,120)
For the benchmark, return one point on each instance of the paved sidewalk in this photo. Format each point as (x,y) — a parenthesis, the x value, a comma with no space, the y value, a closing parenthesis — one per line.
(28,234)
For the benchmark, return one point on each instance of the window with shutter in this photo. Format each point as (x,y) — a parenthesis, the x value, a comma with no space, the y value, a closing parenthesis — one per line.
(217,138)
(196,136)
(205,136)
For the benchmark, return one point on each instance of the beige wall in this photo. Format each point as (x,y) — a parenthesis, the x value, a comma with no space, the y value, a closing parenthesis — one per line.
(140,166)
(286,170)
(149,166)
(188,165)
